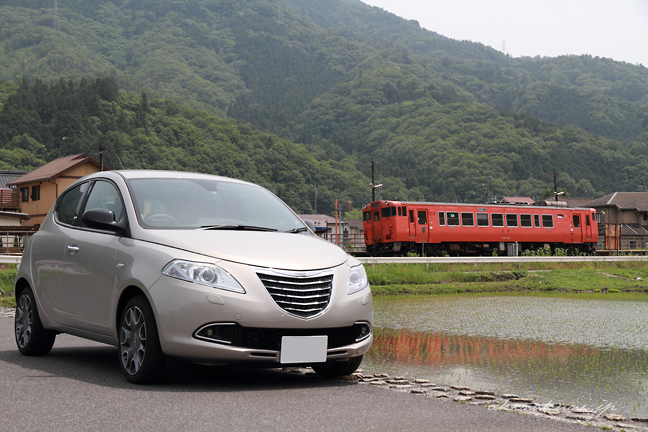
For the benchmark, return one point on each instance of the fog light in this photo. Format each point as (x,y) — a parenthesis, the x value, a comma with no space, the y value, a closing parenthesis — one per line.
(219,333)
(364,331)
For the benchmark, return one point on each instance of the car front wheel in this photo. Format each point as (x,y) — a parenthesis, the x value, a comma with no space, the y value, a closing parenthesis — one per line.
(141,358)
(32,339)
(339,368)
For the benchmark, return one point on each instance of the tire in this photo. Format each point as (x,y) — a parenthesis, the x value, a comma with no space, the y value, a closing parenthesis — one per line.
(140,356)
(339,368)
(31,338)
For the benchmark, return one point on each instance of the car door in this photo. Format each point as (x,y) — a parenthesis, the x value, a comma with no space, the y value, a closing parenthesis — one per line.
(90,278)
(49,258)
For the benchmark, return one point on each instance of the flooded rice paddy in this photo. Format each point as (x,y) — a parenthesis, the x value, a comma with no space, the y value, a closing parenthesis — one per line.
(586,351)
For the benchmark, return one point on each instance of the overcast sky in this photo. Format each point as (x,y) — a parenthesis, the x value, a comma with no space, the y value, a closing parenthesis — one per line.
(616,29)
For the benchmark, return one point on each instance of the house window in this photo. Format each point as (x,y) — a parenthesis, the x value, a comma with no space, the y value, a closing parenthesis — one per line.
(633,244)
(598,218)
(24,194)
(35,195)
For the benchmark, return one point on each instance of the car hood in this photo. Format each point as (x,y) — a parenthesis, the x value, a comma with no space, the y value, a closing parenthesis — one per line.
(262,249)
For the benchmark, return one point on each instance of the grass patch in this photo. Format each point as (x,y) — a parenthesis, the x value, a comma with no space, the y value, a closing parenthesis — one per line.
(7,276)
(604,278)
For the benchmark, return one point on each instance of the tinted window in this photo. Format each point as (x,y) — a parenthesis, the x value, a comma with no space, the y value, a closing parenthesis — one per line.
(104,196)
(467,219)
(497,219)
(442,218)
(422,218)
(482,219)
(411,216)
(547,221)
(453,218)
(525,221)
(376,216)
(366,216)
(66,210)
(511,220)
(536,220)
(404,211)
(587,220)
(388,211)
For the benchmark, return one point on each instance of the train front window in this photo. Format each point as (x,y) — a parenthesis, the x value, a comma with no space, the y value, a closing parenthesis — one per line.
(482,219)
(366,216)
(376,216)
(547,221)
(467,219)
(453,218)
(388,211)
(497,219)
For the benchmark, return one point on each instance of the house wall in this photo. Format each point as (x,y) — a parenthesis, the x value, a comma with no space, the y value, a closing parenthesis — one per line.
(49,191)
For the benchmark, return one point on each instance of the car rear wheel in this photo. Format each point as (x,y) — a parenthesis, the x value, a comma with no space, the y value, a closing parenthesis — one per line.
(32,339)
(339,368)
(141,358)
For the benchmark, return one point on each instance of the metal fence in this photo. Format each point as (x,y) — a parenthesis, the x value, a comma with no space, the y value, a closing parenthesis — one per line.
(348,242)
(13,242)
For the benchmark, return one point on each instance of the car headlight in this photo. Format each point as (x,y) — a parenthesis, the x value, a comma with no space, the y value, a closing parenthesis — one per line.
(202,273)
(357,279)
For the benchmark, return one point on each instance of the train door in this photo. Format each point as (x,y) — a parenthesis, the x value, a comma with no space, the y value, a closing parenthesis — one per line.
(376,225)
(412,225)
(577,229)
(421,225)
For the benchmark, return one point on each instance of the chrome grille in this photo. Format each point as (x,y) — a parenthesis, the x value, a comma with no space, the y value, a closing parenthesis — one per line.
(304,294)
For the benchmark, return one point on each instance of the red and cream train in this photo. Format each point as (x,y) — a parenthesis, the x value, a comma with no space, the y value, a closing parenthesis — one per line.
(396,228)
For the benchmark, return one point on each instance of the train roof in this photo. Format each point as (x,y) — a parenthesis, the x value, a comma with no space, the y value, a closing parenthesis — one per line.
(490,205)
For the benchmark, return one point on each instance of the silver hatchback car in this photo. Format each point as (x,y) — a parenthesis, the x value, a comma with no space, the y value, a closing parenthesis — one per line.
(180,265)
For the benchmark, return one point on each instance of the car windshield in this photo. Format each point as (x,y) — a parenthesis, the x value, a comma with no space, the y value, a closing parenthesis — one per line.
(191,203)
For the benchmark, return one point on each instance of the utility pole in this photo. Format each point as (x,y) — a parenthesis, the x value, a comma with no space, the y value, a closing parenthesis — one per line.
(373,184)
(315,199)
(102,150)
(555,187)
(488,180)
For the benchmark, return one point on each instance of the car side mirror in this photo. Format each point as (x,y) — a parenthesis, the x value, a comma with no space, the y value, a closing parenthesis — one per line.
(309,224)
(104,219)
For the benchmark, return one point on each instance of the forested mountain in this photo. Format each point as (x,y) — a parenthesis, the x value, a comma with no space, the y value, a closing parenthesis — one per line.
(348,83)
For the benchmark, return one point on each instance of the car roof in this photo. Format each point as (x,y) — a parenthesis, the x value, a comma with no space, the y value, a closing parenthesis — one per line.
(140,174)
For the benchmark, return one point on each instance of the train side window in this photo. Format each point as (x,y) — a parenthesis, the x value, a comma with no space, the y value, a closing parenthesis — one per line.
(404,211)
(453,218)
(376,216)
(547,221)
(587,222)
(467,219)
(482,219)
(525,221)
(536,221)
(497,219)
(399,211)
(576,221)
(560,216)
(511,220)
(422,217)
(441,218)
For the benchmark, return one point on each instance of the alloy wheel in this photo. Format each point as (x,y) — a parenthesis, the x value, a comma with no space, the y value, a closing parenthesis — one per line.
(132,340)
(24,320)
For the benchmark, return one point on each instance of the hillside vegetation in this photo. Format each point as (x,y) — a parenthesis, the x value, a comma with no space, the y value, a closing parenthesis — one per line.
(336,83)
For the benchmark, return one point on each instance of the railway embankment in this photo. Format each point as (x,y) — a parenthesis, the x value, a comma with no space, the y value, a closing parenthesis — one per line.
(597,278)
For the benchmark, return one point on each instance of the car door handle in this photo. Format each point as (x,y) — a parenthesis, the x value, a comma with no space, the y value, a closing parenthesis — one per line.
(73,248)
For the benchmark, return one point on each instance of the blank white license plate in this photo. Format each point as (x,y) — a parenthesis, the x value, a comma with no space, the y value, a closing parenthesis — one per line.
(303,349)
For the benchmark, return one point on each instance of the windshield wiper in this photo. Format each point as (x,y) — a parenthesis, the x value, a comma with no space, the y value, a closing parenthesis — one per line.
(236,228)
(297,230)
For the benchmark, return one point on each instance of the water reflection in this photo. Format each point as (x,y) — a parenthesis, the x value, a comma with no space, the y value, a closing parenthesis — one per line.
(578,374)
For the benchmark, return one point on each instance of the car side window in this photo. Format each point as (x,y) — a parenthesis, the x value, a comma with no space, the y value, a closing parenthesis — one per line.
(104,195)
(67,206)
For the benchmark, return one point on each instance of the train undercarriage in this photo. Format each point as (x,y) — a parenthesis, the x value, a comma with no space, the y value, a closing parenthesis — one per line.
(477,249)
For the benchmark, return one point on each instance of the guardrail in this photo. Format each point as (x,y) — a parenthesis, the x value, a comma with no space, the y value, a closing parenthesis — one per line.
(478,260)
